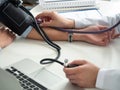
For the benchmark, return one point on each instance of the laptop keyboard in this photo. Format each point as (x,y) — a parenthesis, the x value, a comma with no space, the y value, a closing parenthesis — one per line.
(26,82)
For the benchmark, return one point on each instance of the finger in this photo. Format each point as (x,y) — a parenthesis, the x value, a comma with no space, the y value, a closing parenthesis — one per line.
(46,24)
(74,81)
(70,71)
(13,35)
(113,33)
(110,35)
(106,41)
(71,76)
(2,28)
(44,14)
(10,33)
(99,41)
(116,36)
(102,42)
(79,62)
(107,38)
(40,15)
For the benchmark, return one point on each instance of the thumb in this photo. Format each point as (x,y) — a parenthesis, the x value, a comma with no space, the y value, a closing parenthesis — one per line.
(46,24)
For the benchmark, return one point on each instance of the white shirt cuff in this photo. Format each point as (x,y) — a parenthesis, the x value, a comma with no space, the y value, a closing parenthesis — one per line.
(100,78)
(108,79)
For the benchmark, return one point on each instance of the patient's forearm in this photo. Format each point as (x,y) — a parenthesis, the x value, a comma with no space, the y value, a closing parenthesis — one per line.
(53,35)
(98,39)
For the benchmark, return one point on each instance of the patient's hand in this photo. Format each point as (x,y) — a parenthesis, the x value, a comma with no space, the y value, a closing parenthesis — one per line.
(6,37)
(99,39)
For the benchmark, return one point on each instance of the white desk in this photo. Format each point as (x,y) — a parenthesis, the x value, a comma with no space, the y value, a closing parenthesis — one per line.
(104,57)
(108,8)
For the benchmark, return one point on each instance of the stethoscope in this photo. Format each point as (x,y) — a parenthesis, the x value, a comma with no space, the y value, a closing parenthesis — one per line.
(36,25)
(47,61)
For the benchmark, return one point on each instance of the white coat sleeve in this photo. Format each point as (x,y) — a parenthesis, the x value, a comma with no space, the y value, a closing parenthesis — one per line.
(108,79)
(103,20)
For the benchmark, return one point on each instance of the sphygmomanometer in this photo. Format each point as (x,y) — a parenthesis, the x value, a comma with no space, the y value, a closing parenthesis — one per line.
(18,19)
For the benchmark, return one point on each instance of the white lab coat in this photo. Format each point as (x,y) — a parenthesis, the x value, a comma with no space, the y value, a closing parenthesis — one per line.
(108,79)
(103,20)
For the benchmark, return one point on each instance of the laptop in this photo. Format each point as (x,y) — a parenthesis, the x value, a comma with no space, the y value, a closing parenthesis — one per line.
(28,75)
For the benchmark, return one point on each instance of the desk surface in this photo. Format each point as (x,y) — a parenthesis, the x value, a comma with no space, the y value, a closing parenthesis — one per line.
(104,57)
(108,8)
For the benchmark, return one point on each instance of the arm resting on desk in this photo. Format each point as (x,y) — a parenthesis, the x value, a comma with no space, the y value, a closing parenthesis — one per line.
(97,39)
(50,18)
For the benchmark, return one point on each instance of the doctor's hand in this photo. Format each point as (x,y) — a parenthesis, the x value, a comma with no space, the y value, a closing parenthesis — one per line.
(51,18)
(102,39)
(84,75)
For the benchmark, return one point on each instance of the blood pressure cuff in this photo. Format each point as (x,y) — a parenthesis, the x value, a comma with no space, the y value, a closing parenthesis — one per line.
(14,17)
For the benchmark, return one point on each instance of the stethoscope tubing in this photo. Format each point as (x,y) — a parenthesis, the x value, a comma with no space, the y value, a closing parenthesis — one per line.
(49,60)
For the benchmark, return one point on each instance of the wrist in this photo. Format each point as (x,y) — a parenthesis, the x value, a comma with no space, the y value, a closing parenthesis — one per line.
(79,37)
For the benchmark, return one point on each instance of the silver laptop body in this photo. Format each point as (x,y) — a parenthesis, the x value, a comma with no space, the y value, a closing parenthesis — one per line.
(35,72)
